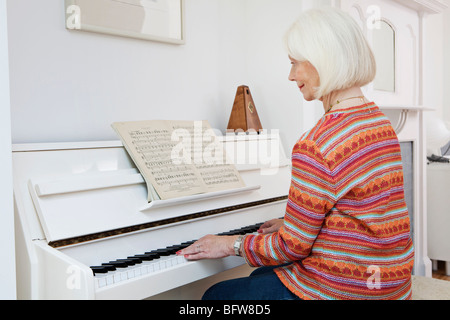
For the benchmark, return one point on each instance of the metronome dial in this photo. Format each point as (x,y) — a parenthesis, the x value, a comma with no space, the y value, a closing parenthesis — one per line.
(251,107)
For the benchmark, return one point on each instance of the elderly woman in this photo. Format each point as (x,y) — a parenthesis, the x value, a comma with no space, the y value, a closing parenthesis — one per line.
(346,231)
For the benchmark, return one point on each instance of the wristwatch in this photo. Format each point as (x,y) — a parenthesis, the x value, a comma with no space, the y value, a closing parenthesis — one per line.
(237,245)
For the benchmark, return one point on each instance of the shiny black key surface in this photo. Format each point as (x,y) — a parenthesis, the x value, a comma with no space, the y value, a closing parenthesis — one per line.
(129,262)
(161,252)
(146,257)
(109,267)
(99,270)
(117,264)
(136,260)
(174,249)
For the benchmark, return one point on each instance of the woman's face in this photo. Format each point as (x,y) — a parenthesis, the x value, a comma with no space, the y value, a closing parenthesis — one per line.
(306,77)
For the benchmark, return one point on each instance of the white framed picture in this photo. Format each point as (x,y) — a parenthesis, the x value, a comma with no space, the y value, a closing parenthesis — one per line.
(157,20)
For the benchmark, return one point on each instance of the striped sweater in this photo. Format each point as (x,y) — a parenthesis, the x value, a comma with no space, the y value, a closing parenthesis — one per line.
(346,226)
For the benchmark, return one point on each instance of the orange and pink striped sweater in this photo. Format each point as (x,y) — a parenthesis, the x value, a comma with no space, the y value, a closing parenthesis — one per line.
(346,227)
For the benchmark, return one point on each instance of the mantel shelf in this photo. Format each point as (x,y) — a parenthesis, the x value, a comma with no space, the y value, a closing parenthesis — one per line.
(425,6)
(406,107)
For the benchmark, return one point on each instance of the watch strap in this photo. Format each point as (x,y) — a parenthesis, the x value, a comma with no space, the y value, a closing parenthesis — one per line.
(237,245)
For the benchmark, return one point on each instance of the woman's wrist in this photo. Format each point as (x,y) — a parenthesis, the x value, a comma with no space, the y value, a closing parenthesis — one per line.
(230,246)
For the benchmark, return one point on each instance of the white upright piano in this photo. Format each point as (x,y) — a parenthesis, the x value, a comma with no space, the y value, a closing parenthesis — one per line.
(84,228)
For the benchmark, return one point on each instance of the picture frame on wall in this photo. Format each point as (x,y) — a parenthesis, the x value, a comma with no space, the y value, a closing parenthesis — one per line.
(155,20)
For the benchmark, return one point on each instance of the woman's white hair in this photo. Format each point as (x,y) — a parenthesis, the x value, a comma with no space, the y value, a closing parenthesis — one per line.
(335,45)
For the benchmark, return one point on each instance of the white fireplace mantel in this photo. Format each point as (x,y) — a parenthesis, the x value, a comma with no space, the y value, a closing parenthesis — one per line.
(399,115)
(404,105)
(408,122)
(425,6)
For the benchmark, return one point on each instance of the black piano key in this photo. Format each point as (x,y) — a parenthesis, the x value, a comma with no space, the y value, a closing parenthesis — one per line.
(236,232)
(171,250)
(109,267)
(246,230)
(176,246)
(99,270)
(154,254)
(146,257)
(254,228)
(129,262)
(242,231)
(162,252)
(185,245)
(135,259)
(117,264)
(174,249)
(227,233)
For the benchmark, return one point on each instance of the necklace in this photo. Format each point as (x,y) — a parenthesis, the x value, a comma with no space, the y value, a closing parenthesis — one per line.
(339,101)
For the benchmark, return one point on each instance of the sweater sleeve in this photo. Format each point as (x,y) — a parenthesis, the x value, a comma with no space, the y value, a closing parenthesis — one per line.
(311,196)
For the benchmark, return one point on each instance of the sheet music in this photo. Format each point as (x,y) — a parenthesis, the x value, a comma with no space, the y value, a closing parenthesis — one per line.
(178,158)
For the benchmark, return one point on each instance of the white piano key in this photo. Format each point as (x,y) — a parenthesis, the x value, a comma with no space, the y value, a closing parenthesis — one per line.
(182,259)
(101,282)
(117,276)
(109,280)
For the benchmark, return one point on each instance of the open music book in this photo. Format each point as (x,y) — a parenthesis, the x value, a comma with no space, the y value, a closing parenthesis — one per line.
(178,158)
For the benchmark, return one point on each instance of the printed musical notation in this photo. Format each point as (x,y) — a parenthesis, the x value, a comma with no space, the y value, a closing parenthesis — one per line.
(178,158)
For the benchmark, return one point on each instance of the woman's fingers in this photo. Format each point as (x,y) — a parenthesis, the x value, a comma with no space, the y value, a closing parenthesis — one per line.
(271,226)
(209,247)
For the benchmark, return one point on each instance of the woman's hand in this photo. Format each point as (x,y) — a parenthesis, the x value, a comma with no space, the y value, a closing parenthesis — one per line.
(210,247)
(213,247)
(271,226)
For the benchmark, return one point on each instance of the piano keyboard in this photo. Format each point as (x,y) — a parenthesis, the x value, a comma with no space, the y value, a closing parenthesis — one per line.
(153,261)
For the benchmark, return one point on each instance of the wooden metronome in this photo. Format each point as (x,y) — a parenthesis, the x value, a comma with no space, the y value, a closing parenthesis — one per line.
(244,116)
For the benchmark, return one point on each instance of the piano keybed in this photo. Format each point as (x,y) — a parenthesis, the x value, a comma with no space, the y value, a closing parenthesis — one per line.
(151,262)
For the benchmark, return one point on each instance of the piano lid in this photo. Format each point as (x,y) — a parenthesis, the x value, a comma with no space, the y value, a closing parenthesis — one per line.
(94,191)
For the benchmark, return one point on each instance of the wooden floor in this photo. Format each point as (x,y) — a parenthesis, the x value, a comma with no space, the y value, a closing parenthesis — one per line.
(440,272)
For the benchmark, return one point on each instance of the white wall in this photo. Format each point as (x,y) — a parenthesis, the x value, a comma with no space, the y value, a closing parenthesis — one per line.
(446,65)
(7,270)
(279,102)
(71,85)
(436,76)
